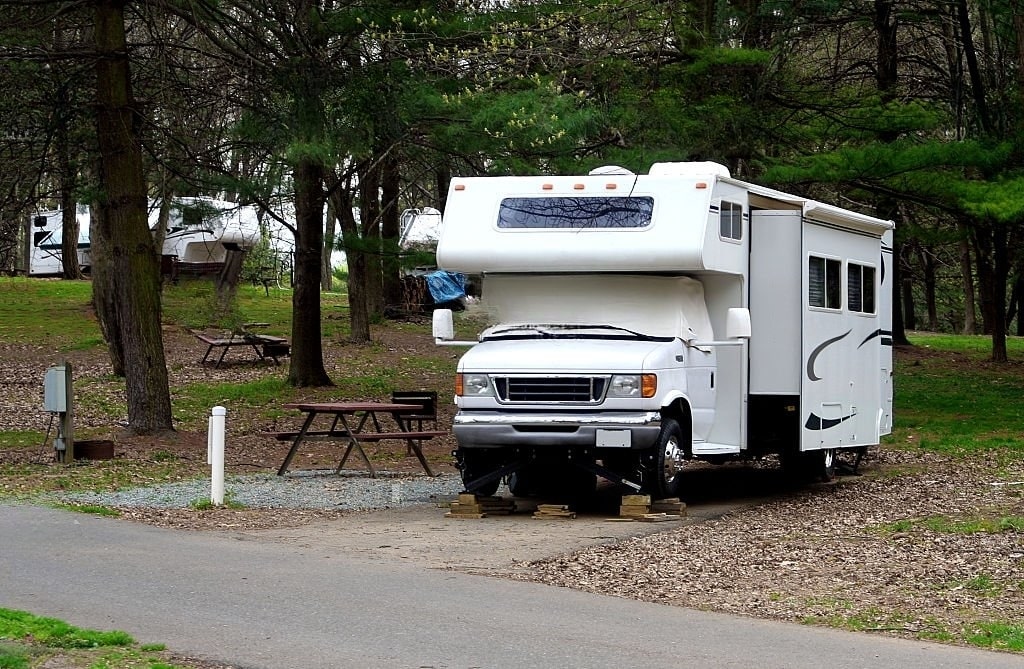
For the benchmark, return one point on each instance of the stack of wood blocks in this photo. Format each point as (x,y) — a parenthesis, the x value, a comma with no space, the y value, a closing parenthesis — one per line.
(472,506)
(634,506)
(641,508)
(554,511)
(671,506)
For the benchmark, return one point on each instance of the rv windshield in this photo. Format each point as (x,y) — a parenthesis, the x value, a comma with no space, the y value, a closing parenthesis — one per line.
(564,331)
(575,212)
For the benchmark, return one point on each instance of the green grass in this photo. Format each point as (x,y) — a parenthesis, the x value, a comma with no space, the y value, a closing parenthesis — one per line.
(27,640)
(21,438)
(996,636)
(56,314)
(55,633)
(93,509)
(949,399)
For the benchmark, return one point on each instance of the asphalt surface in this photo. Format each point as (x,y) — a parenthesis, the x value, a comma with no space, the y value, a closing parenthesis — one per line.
(277,605)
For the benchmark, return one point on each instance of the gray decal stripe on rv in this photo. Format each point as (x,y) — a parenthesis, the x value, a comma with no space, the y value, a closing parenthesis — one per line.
(816,422)
(814,355)
(877,333)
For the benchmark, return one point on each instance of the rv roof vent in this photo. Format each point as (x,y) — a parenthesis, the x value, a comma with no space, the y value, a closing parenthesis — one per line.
(706,168)
(606,170)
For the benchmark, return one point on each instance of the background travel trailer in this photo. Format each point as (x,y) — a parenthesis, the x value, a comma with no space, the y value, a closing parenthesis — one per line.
(199,231)
(646,320)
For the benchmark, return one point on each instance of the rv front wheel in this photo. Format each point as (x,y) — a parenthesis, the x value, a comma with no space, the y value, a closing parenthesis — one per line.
(668,460)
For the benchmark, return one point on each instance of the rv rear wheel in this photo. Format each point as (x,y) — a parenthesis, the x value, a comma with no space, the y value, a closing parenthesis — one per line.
(669,457)
(823,464)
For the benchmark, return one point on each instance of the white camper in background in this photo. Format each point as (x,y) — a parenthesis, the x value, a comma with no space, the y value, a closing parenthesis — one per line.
(45,236)
(199,232)
(644,320)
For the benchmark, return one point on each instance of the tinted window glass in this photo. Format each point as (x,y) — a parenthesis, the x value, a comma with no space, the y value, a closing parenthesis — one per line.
(575,212)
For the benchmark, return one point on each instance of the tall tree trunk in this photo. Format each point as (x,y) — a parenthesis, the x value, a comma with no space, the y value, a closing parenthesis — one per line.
(371,239)
(390,224)
(886,207)
(359,314)
(327,270)
(132,263)
(928,269)
(307,359)
(967,278)
(985,266)
(103,295)
(68,204)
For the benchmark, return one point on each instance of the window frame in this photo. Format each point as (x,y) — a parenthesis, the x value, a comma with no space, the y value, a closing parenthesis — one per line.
(872,293)
(827,290)
(735,220)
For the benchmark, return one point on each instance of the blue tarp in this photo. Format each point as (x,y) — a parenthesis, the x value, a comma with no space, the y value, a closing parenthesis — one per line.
(446,286)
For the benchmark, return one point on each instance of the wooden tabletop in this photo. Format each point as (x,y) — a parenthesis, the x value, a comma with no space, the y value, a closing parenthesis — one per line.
(352,407)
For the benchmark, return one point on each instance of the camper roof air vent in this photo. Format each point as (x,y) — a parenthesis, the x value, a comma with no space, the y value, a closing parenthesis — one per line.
(607,170)
(706,168)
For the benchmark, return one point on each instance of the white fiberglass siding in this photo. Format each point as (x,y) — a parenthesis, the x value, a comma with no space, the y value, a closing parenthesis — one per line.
(471,240)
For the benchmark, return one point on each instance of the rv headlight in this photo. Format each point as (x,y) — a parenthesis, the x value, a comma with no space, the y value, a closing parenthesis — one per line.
(633,385)
(473,385)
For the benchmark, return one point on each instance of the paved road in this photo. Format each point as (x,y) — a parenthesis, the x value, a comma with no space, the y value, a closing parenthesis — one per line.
(274,605)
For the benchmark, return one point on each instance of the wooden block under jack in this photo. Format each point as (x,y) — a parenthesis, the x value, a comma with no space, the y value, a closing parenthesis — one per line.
(633,510)
(656,518)
(452,514)
(554,511)
(459,507)
(673,507)
(631,500)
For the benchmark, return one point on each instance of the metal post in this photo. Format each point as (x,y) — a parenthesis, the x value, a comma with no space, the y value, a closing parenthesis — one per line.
(215,454)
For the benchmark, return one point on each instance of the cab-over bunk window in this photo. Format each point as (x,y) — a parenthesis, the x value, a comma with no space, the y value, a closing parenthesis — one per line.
(730,218)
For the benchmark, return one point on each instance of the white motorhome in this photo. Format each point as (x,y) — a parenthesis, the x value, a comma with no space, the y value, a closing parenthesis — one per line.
(199,232)
(644,320)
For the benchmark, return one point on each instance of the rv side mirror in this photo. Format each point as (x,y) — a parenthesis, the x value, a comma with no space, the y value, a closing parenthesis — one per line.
(737,323)
(443,325)
(38,236)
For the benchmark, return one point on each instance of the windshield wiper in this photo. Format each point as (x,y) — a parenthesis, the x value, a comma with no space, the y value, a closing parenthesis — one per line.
(568,331)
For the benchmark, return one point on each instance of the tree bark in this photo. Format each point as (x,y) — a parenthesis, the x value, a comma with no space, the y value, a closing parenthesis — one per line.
(390,223)
(307,358)
(134,278)
(69,210)
(370,213)
(967,277)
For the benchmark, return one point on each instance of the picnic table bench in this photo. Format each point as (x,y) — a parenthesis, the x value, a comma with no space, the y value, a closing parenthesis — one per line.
(264,346)
(354,436)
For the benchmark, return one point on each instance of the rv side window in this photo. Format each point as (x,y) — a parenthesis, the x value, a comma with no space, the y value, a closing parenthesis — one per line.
(824,288)
(860,288)
(575,212)
(730,218)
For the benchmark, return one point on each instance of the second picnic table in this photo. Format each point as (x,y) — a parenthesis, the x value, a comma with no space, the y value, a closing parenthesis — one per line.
(351,423)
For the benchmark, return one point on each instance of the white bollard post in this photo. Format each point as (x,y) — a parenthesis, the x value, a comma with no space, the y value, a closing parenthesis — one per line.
(215,454)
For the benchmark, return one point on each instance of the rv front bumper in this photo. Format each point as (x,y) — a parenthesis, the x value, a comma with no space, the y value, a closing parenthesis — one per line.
(492,429)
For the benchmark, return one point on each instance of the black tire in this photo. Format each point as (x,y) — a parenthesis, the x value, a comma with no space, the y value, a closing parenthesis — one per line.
(666,464)
(521,483)
(809,466)
(822,465)
(475,463)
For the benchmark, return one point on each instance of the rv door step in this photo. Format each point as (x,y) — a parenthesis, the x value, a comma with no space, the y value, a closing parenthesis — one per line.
(710,448)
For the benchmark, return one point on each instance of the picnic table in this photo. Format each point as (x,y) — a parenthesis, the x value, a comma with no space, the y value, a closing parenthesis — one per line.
(264,346)
(356,423)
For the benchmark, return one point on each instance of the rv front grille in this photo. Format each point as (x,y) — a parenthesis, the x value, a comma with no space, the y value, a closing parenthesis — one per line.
(550,389)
